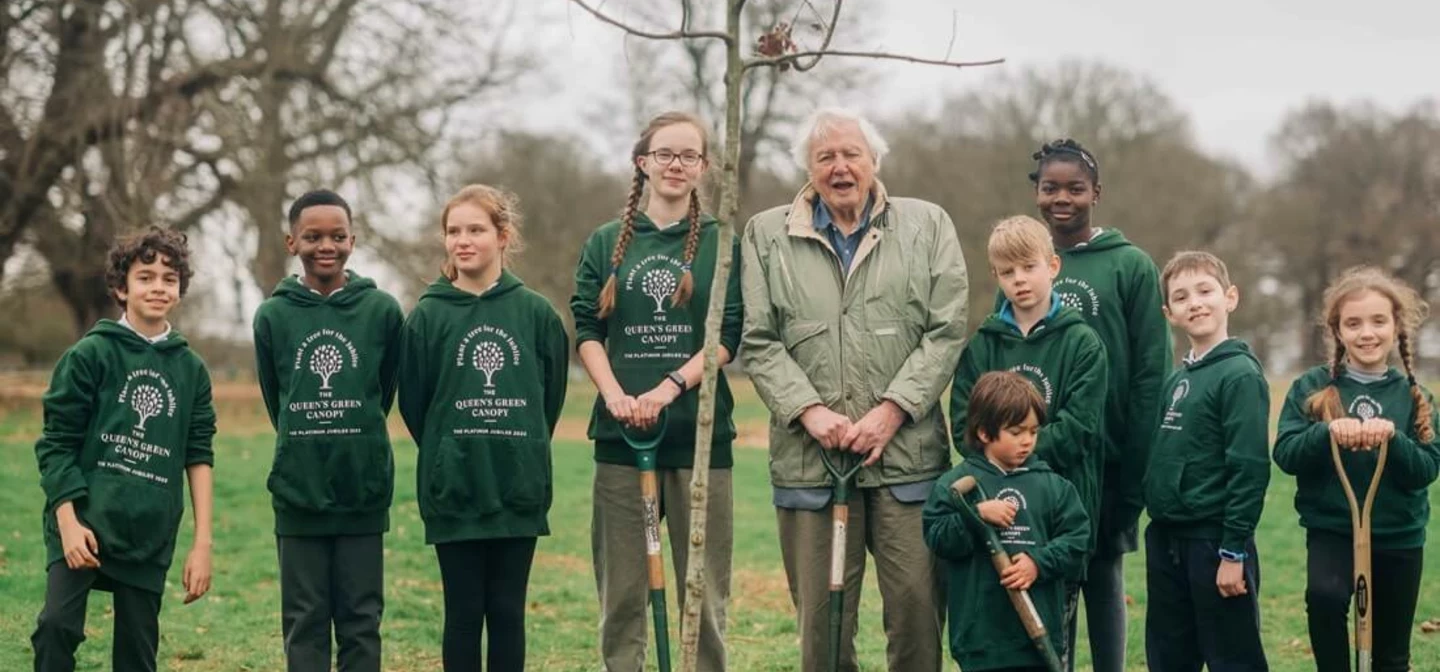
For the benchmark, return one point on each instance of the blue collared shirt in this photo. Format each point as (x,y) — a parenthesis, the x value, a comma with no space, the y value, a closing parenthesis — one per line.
(845,246)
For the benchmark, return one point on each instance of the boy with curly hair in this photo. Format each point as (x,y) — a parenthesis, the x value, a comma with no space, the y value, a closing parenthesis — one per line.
(128,413)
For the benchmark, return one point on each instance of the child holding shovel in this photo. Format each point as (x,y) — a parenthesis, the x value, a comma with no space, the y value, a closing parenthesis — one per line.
(642,288)
(1358,400)
(1043,524)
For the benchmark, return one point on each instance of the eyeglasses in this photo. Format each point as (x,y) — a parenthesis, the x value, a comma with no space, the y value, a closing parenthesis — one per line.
(687,159)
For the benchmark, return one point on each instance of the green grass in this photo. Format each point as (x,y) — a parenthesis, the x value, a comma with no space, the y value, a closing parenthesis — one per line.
(237,627)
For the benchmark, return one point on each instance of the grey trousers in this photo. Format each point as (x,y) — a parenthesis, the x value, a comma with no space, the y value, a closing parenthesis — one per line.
(617,540)
(327,581)
(911,585)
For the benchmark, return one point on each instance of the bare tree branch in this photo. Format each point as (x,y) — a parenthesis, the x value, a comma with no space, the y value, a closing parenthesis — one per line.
(674,35)
(825,43)
(878,55)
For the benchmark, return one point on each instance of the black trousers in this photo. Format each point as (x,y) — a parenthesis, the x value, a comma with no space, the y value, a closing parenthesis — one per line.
(485,585)
(330,582)
(1395,586)
(60,628)
(1187,623)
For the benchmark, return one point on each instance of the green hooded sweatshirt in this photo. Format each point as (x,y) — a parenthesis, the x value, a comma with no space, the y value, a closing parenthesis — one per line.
(1065,361)
(648,336)
(1210,464)
(1050,526)
(1116,287)
(326,366)
(482,380)
(1302,449)
(123,419)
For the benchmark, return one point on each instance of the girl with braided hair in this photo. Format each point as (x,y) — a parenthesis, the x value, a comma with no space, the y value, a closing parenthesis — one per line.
(1359,400)
(642,290)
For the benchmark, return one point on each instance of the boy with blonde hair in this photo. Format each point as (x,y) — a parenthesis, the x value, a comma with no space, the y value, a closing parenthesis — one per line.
(1036,336)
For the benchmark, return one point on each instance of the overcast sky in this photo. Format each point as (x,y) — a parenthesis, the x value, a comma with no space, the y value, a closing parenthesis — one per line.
(1236,66)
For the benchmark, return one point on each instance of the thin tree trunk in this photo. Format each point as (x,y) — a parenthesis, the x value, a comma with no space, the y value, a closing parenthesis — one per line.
(705,424)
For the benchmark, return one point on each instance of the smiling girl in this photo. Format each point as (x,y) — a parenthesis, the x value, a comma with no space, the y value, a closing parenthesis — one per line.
(482,379)
(1359,400)
(641,293)
(1116,287)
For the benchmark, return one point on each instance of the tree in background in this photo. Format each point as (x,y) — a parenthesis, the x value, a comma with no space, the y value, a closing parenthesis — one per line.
(1357,185)
(115,115)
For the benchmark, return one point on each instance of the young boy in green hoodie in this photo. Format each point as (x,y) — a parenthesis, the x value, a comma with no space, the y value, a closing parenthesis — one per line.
(1043,526)
(1116,287)
(127,415)
(1205,486)
(1036,335)
(327,347)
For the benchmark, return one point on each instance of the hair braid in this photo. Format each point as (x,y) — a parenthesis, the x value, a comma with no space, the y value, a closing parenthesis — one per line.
(606,302)
(1423,430)
(1325,404)
(686,288)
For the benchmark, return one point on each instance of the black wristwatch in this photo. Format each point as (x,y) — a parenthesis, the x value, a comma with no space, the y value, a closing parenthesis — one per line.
(679,380)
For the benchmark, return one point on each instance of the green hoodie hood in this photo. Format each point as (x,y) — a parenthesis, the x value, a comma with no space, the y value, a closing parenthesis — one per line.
(1060,318)
(1108,239)
(445,290)
(132,340)
(1226,349)
(295,291)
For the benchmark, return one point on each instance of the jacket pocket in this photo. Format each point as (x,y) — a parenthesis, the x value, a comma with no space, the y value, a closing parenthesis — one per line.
(132,520)
(806,342)
(479,477)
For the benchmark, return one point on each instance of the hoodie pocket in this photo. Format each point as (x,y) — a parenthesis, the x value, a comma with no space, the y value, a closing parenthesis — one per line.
(360,475)
(334,475)
(472,478)
(132,520)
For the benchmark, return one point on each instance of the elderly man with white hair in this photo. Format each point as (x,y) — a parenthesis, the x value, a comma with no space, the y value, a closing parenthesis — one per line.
(855,305)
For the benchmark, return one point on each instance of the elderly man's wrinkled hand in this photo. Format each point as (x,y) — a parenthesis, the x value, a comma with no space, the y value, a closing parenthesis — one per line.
(827,426)
(870,434)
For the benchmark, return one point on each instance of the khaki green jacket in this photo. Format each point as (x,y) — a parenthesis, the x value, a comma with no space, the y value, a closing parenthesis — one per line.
(892,328)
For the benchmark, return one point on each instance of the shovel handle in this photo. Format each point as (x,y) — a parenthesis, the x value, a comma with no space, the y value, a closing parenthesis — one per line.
(1360,537)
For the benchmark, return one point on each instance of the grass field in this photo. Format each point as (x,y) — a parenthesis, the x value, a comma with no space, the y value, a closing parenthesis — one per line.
(237,627)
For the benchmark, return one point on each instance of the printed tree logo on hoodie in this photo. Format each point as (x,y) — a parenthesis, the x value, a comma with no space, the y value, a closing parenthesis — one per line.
(324,354)
(1171,421)
(1365,407)
(489,350)
(147,403)
(1015,535)
(652,335)
(1078,294)
(489,358)
(149,394)
(659,284)
(325,361)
